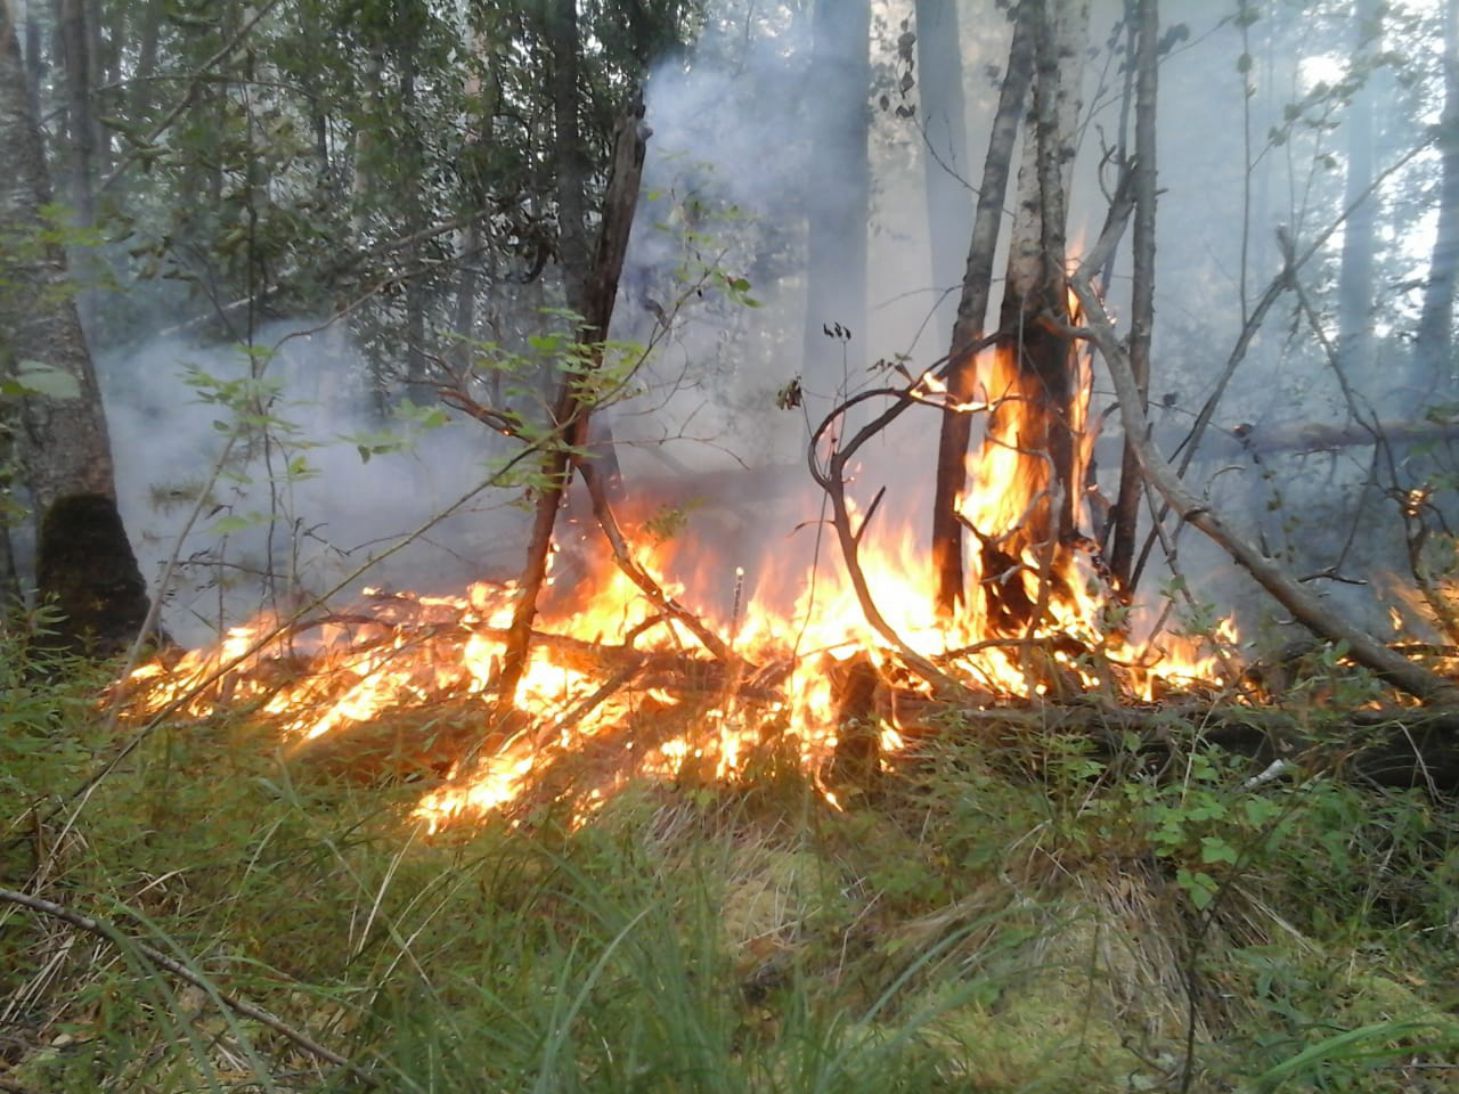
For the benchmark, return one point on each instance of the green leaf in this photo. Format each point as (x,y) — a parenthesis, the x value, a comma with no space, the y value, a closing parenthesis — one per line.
(1199,886)
(1214,849)
(39,378)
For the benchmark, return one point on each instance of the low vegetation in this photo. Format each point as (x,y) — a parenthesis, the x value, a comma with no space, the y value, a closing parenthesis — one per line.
(1026,918)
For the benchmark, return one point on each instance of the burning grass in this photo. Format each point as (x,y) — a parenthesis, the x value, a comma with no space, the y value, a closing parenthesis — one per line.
(617,688)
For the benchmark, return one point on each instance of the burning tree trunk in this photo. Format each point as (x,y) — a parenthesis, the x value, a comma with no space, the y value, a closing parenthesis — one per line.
(573,405)
(1308,610)
(1127,505)
(1032,461)
(947,532)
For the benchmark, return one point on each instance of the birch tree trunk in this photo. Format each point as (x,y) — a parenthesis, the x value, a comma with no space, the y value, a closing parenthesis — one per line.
(972,311)
(62,442)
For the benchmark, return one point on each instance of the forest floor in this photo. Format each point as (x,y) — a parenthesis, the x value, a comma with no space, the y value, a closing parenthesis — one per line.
(1013,919)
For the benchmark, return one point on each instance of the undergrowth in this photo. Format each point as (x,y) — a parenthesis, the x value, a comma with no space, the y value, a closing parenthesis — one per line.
(1026,918)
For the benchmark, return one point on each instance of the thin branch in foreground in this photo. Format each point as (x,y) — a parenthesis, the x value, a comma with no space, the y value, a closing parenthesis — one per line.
(113,934)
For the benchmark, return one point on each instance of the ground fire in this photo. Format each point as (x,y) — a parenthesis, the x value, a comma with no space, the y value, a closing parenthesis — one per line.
(616,687)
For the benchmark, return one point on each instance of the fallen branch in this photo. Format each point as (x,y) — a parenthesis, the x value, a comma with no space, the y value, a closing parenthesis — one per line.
(113,934)
(1307,609)
(1301,438)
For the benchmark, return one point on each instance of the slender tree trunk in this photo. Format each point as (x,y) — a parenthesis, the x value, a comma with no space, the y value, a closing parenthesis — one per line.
(945,165)
(840,197)
(571,410)
(85,561)
(571,154)
(574,239)
(972,311)
(35,61)
(97,61)
(1142,311)
(417,294)
(1355,279)
(1433,349)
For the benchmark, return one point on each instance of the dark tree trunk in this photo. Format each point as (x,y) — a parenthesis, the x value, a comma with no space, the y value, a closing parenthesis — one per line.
(84,556)
(945,156)
(840,202)
(98,60)
(1142,311)
(571,408)
(972,311)
(1433,349)
(35,61)
(85,568)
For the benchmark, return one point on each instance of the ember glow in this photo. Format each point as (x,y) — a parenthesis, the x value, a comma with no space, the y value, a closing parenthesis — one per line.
(613,690)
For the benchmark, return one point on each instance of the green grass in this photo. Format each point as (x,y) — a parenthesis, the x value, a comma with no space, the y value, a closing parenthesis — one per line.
(971,927)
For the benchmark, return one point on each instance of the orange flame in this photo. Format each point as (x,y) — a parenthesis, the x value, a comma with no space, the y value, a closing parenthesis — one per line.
(622,694)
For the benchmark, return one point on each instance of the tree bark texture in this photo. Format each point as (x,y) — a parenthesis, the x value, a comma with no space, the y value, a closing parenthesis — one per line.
(840,210)
(80,125)
(972,311)
(85,563)
(1126,515)
(1030,457)
(945,155)
(63,443)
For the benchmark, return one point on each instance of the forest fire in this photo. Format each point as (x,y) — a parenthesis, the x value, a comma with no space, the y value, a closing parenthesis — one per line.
(617,685)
